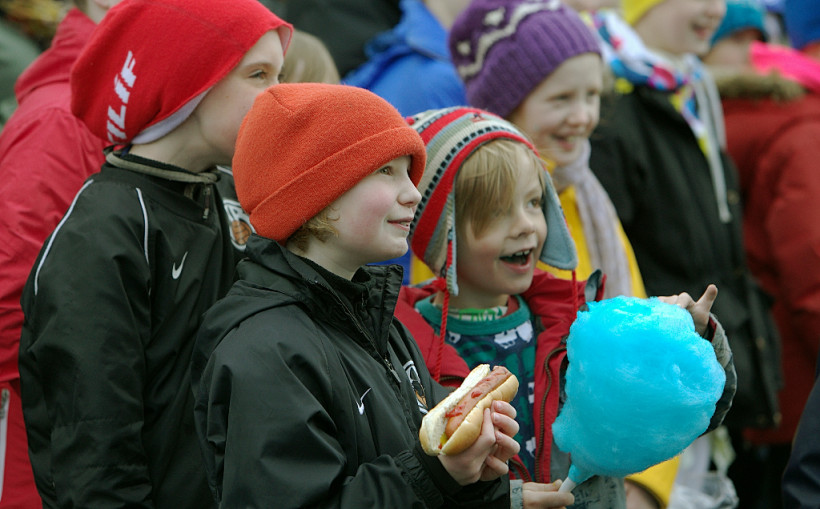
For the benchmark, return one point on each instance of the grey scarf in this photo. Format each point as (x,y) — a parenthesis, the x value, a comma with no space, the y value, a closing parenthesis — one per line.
(600,223)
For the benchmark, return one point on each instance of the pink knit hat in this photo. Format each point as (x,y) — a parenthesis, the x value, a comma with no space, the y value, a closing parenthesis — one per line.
(150,62)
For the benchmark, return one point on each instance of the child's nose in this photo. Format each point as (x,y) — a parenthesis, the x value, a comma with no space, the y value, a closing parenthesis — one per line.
(716,8)
(523,223)
(410,195)
(581,114)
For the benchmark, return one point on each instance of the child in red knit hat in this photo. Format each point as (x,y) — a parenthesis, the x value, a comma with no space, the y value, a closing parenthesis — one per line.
(308,393)
(117,292)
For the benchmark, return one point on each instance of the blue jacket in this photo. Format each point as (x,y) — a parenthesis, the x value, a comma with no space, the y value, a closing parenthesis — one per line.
(410,65)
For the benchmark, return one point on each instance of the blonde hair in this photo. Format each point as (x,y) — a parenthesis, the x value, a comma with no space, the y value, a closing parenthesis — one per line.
(488,176)
(308,61)
(319,227)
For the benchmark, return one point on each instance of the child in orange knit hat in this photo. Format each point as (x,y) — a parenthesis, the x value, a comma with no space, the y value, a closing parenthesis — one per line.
(307,391)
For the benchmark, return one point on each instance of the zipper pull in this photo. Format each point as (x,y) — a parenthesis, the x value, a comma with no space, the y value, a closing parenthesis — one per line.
(393,371)
(206,194)
(5,395)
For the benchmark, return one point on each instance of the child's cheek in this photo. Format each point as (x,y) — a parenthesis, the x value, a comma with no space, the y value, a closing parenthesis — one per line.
(369,219)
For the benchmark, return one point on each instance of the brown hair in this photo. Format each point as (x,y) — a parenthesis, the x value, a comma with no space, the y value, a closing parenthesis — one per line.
(488,176)
(308,61)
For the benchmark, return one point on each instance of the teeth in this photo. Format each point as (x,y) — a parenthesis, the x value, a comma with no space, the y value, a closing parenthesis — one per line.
(518,254)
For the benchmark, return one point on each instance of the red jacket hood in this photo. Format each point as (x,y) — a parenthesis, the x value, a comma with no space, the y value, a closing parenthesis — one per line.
(54,65)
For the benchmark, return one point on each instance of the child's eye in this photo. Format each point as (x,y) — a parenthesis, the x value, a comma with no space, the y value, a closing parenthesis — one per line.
(536,202)
(386,170)
(260,74)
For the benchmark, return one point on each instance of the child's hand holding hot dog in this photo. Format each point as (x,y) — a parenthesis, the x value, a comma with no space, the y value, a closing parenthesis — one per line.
(472,429)
(486,459)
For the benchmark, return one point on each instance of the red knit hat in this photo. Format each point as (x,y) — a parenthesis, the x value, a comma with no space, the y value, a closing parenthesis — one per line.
(303,145)
(149,62)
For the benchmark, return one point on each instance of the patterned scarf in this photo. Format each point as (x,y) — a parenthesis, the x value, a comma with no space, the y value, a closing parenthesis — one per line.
(693,92)
(600,221)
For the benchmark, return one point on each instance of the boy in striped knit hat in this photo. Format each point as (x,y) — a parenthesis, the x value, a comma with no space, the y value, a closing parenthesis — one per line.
(488,213)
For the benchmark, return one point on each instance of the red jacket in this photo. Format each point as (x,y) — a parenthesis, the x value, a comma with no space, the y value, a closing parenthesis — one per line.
(556,303)
(45,155)
(775,146)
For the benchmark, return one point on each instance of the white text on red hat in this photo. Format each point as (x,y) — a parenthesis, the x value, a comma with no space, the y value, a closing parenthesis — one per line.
(123,82)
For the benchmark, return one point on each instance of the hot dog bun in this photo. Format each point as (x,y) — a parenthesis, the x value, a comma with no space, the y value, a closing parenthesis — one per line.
(432,435)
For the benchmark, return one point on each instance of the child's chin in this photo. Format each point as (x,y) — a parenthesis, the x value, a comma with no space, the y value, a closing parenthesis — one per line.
(521,285)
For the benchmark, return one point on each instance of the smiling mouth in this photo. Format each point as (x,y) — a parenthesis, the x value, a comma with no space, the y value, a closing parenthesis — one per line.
(519,258)
(567,142)
(402,223)
(704,31)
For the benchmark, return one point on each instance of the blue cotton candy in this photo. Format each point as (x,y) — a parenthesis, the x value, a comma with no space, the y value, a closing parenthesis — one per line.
(640,387)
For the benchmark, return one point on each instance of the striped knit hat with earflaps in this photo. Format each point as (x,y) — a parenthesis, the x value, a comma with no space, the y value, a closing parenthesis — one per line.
(451,135)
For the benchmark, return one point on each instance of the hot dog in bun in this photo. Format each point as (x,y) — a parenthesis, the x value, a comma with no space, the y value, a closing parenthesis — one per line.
(455,423)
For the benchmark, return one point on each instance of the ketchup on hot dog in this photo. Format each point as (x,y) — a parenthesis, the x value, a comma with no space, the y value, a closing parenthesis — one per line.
(456,416)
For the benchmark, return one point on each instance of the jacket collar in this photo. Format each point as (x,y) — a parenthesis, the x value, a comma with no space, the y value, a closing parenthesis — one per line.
(367,302)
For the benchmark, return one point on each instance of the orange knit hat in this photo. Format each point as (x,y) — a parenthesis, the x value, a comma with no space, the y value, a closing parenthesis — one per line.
(303,145)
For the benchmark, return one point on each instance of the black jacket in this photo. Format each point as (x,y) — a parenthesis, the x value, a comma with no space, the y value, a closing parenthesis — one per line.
(111,309)
(310,394)
(651,165)
(801,480)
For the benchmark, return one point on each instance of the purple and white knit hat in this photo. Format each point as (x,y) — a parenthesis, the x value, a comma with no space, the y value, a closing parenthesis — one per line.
(450,136)
(503,49)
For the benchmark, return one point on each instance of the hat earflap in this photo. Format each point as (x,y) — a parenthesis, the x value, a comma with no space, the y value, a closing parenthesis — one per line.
(559,248)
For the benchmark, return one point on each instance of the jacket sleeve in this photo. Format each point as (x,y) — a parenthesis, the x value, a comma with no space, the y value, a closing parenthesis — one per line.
(723,352)
(801,481)
(278,442)
(87,321)
(44,162)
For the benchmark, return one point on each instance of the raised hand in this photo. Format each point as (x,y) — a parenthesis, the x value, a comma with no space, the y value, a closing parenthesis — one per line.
(699,309)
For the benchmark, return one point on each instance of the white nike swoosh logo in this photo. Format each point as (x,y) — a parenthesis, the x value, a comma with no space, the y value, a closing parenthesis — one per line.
(360,404)
(176,271)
